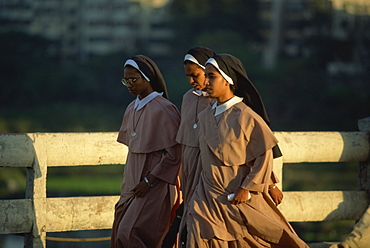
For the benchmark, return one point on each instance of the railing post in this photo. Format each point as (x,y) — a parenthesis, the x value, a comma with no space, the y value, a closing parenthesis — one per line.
(361,231)
(36,190)
(364,166)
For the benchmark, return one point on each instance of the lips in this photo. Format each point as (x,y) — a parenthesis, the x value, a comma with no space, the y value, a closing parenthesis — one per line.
(196,86)
(132,91)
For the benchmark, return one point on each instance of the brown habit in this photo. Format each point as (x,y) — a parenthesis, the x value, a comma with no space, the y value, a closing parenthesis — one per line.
(188,136)
(236,152)
(143,221)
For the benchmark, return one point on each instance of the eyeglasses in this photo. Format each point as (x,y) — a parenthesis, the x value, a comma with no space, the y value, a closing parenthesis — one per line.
(130,81)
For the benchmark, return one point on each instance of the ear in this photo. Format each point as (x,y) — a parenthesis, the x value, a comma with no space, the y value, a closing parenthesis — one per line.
(149,85)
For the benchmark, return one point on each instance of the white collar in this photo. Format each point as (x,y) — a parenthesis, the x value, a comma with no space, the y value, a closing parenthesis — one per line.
(139,104)
(200,93)
(226,105)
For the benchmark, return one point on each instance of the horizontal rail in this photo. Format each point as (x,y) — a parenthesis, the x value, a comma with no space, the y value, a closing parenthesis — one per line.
(298,147)
(72,149)
(62,149)
(16,150)
(80,213)
(300,206)
(16,216)
(89,213)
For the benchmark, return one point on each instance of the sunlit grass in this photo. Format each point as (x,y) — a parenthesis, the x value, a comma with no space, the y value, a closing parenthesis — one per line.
(329,231)
(84,180)
(82,185)
(320,176)
(12,182)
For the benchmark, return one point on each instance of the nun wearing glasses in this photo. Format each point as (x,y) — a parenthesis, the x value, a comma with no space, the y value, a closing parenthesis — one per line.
(149,195)
(230,206)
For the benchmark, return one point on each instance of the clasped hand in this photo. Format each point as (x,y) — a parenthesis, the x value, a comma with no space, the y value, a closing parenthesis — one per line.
(276,195)
(142,187)
(241,196)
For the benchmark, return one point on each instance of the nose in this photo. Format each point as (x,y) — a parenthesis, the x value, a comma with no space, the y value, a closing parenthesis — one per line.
(191,80)
(206,81)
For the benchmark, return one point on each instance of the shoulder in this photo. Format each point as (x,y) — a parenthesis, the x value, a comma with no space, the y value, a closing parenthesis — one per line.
(162,105)
(245,111)
(160,100)
(250,120)
(189,95)
(247,116)
(189,92)
(130,106)
(207,109)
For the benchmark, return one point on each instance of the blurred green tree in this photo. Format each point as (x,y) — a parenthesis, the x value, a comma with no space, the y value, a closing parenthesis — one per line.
(32,75)
(19,55)
(192,19)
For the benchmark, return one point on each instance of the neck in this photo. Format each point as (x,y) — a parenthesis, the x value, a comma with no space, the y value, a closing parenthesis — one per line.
(144,94)
(224,98)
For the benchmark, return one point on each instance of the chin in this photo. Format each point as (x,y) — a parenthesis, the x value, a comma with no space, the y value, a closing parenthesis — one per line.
(210,93)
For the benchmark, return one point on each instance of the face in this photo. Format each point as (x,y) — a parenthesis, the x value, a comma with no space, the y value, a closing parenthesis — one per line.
(138,85)
(216,84)
(195,75)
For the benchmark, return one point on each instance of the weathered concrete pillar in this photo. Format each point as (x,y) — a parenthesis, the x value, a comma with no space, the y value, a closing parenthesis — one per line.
(364,166)
(36,191)
(360,235)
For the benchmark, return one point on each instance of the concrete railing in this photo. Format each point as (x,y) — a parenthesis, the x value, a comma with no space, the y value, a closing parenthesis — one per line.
(36,215)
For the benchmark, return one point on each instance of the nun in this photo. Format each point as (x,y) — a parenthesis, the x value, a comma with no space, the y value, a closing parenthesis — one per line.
(230,206)
(193,102)
(149,196)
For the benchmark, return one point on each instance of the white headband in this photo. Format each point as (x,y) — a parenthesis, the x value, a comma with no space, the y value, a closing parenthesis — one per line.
(213,62)
(194,60)
(134,64)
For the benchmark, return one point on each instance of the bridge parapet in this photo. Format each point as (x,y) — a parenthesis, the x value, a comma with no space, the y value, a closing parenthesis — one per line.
(38,214)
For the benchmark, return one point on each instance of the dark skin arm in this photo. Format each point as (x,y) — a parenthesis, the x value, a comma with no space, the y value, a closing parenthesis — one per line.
(241,195)
(276,194)
(142,187)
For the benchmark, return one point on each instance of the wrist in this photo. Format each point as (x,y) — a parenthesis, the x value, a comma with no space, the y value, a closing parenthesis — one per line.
(243,189)
(147,182)
(272,187)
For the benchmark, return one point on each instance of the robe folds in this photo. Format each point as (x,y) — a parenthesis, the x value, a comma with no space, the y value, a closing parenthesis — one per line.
(236,151)
(143,221)
(188,137)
